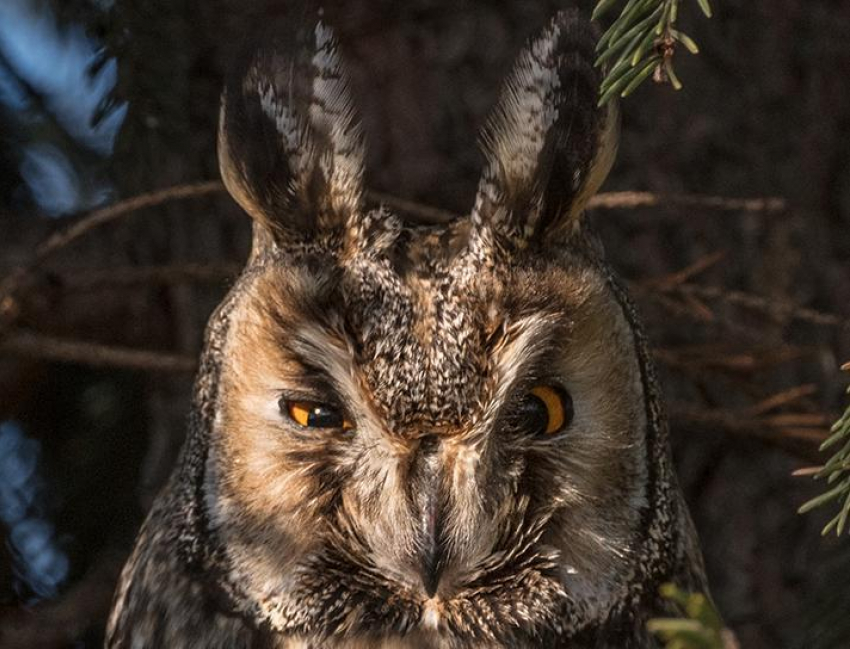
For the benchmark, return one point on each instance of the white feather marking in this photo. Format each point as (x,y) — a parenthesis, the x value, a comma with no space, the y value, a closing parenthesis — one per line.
(525,337)
(319,348)
(518,130)
(287,125)
(332,112)
(431,615)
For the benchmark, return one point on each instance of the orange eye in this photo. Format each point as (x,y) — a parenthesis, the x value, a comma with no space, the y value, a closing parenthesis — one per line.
(557,405)
(311,414)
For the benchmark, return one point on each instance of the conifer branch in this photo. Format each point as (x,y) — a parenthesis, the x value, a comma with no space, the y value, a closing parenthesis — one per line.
(698,627)
(836,471)
(641,42)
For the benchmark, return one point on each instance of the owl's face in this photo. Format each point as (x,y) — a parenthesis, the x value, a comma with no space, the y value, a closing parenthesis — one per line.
(417,440)
(425,431)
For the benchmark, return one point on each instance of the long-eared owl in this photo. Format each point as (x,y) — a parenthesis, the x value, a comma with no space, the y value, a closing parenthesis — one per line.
(415,436)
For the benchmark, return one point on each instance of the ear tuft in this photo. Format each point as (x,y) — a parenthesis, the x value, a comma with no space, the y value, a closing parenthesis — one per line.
(290,146)
(548,146)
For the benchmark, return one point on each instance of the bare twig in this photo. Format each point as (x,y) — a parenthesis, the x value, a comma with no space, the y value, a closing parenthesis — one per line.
(10,285)
(799,421)
(699,358)
(33,345)
(784,398)
(801,440)
(699,310)
(668,282)
(776,309)
(92,279)
(694,295)
(632,200)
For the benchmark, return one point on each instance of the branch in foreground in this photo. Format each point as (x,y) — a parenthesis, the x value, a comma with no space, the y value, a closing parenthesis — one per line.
(641,42)
(699,625)
(837,474)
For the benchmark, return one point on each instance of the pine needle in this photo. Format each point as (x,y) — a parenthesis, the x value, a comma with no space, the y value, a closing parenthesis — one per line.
(641,42)
(836,471)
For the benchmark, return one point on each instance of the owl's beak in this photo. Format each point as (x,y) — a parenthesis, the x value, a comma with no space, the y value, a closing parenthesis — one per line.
(431,551)
(431,557)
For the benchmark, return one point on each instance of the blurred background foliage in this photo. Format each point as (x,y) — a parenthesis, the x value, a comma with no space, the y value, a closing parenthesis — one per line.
(747,303)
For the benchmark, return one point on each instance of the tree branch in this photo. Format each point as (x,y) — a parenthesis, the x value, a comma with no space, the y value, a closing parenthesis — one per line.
(63,238)
(10,286)
(693,295)
(48,348)
(633,200)
(121,277)
(797,434)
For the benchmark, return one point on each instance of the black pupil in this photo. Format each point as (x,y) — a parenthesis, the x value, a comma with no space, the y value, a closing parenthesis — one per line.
(322,416)
(534,414)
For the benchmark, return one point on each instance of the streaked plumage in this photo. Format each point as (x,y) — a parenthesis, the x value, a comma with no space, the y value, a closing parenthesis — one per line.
(440,517)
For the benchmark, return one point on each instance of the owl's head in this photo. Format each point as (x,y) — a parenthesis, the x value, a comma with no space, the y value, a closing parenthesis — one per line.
(447,430)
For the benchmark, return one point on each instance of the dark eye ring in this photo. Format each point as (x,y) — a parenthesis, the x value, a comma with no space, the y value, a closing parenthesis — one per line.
(549,409)
(314,414)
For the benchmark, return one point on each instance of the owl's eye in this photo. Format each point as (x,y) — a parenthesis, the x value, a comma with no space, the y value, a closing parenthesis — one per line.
(312,414)
(547,409)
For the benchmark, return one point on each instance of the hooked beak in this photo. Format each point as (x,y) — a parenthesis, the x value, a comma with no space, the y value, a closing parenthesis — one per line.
(431,557)
(431,551)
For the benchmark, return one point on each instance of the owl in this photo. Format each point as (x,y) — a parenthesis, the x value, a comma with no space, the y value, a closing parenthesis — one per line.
(415,436)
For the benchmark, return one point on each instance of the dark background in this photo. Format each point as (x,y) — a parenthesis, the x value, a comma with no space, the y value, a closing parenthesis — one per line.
(102,100)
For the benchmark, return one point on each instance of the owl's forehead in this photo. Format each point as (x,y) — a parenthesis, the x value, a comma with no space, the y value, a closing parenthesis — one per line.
(420,323)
